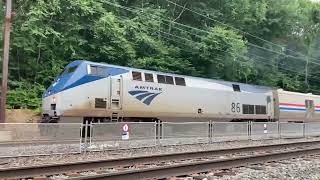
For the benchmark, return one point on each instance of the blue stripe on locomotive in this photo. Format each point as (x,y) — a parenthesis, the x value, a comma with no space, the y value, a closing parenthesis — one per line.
(291,109)
(80,76)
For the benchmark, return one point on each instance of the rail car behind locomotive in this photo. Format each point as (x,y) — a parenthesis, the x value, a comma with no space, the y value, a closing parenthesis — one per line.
(107,93)
(298,107)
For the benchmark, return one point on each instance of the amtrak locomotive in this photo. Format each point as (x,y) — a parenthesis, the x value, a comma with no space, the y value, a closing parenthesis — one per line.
(97,92)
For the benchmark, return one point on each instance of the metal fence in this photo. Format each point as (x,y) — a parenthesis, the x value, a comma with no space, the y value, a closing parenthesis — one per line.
(312,129)
(291,130)
(184,133)
(105,136)
(264,130)
(226,131)
(28,139)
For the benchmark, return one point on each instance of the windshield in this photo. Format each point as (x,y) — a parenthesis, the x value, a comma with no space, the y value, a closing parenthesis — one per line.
(69,70)
(66,71)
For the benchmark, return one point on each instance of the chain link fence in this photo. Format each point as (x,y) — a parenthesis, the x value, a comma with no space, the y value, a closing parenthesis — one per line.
(184,133)
(106,136)
(28,139)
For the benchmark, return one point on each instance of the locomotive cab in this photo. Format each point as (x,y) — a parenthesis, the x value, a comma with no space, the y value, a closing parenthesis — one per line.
(51,100)
(82,90)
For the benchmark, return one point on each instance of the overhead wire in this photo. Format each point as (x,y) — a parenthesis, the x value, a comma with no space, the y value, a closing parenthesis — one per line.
(133,10)
(248,43)
(263,48)
(246,57)
(234,54)
(221,44)
(205,31)
(237,29)
(263,62)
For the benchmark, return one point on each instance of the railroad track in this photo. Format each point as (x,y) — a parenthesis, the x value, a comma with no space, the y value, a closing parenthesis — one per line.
(167,165)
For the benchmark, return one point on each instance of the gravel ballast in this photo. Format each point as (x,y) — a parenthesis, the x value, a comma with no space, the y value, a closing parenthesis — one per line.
(300,168)
(113,154)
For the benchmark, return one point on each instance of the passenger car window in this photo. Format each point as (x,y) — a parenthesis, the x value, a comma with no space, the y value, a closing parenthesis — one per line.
(309,104)
(148,77)
(180,81)
(136,76)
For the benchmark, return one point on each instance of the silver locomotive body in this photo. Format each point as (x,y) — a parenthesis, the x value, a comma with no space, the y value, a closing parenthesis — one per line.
(102,92)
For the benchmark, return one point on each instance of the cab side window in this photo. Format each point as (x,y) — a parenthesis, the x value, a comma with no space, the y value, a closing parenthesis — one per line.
(93,70)
(97,70)
(136,76)
(70,70)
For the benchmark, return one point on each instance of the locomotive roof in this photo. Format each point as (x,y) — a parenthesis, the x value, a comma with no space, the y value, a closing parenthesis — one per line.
(171,74)
(298,93)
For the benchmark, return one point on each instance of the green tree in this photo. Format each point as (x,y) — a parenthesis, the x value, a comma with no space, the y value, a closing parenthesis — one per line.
(225,42)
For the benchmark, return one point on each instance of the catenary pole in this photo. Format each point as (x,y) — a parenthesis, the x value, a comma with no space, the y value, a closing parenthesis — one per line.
(5,61)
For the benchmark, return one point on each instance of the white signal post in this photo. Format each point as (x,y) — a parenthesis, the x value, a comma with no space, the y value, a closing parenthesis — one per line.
(125,128)
(125,132)
(265,130)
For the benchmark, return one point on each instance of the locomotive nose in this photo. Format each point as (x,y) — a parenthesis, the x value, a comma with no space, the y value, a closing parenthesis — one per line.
(51,103)
(49,107)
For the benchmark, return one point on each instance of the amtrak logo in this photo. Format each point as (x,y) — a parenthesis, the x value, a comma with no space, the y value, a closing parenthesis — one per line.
(145,96)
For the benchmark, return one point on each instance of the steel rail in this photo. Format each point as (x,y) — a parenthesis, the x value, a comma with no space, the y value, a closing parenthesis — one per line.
(50,169)
(198,167)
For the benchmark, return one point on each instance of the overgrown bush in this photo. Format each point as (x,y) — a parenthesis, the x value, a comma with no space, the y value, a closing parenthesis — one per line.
(23,94)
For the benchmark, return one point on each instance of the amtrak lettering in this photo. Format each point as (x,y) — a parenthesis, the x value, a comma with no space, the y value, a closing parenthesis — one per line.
(148,88)
(144,94)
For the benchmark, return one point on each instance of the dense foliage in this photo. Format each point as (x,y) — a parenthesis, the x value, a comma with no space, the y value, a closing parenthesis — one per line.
(220,39)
